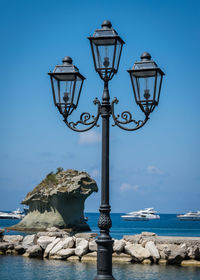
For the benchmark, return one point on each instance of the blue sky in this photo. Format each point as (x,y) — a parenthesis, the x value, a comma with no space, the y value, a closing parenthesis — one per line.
(157,166)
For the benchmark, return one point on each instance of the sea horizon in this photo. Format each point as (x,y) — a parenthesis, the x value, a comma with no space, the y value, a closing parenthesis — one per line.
(167,225)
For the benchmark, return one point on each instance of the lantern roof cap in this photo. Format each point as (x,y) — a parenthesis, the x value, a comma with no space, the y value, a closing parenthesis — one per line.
(106,24)
(145,64)
(67,59)
(145,56)
(66,68)
(106,32)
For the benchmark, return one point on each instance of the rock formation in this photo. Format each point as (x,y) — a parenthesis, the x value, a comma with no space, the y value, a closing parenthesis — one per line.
(58,201)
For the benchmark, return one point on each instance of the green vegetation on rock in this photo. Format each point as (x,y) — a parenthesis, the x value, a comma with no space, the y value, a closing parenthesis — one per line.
(50,178)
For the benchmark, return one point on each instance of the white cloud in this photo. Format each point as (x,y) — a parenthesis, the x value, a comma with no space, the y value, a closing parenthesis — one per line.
(154,170)
(89,137)
(127,187)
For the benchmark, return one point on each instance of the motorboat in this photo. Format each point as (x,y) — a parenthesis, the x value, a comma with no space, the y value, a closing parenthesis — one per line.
(190,216)
(16,214)
(141,215)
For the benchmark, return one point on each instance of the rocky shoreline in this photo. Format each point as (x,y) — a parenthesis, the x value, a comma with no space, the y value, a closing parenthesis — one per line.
(145,248)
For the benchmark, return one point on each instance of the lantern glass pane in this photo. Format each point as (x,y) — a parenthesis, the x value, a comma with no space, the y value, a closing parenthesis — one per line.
(158,86)
(56,86)
(103,55)
(117,54)
(145,87)
(77,89)
(66,92)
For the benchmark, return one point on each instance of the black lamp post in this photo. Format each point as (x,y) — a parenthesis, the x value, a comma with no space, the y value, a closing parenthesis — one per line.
(67,83)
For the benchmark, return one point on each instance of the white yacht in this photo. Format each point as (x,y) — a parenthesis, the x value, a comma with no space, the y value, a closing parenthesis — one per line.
(141,215)
(16,214)
(190,216)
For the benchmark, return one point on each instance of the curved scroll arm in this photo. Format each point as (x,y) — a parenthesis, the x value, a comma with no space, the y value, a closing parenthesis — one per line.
(127,118)
(85,119)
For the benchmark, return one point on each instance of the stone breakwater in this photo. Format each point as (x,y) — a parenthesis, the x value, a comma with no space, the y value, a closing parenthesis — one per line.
(145,248)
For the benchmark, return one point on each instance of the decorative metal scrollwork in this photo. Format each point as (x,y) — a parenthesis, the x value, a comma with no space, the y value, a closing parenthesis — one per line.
(85,119)
(126,118)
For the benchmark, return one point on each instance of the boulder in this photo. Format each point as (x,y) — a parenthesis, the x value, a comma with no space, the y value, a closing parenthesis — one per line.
(62,244)
(4,246)
(44,241)
(121,258)
(90,257)
(163,251)
(63,254)
(177,240)
(86,235)
(118,245)
(147,233)
(73,259)
(50,247)
(177,254)
(29,240)
(60,234)
(132,238)
(93,245)
(194,252)
(11,246)
(151,247)
(190,263)
(14,239)
(82,247)
(162,262)
(58,201)
(9,252)
(146,261)
(34,251)
(19,249)
(137,252)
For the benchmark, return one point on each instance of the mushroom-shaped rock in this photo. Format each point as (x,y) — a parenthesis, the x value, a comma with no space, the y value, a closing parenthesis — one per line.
(58,201)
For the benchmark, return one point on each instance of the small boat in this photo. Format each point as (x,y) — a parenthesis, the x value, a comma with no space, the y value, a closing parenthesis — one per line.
(141,215)
(16,214)
(190,216)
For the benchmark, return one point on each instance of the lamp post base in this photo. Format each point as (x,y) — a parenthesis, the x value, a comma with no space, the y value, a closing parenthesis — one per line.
(104,258)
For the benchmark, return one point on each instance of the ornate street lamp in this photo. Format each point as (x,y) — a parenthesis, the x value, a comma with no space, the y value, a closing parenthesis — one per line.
(67,83)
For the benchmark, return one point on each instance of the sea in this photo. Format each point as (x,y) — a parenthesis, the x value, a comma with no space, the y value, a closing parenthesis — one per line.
(17,267)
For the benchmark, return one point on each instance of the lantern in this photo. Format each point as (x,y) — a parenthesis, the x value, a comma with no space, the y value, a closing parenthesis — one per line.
(106,48)
(66,84)
(146,80)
